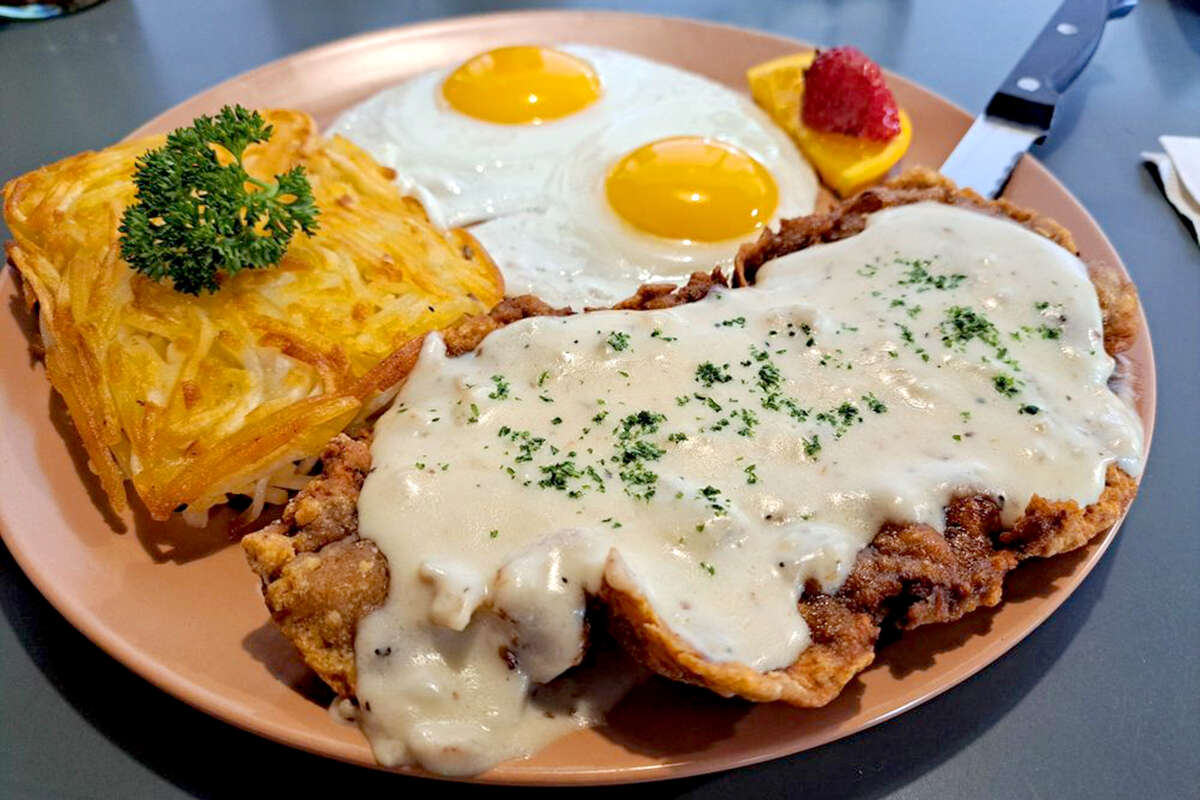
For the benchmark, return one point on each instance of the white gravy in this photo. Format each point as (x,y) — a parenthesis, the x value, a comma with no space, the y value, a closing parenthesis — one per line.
(727,450)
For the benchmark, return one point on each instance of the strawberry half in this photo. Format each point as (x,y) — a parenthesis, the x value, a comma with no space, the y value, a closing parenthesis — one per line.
(844,92)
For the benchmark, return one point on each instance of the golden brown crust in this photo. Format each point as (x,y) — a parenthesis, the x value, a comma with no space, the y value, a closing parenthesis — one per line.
(913,575)
(667,295)
(319,578)
(1051,527)
(1118,308)
(467,334)
(843,644)
(909,575)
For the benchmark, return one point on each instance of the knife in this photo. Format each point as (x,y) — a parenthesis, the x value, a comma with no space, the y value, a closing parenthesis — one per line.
(1020,112)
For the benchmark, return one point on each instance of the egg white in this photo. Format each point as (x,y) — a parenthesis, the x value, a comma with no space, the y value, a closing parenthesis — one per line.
(537,191)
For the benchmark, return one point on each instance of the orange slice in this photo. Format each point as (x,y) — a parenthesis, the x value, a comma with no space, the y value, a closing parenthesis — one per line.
(846,164)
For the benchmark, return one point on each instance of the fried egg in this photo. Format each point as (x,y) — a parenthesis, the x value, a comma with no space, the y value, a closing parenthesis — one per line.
(584,171)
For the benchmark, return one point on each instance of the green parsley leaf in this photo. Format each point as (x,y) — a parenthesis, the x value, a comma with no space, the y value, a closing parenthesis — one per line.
(193,219)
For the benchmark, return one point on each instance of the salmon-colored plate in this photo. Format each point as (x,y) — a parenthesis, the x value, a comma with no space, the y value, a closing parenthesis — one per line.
(180,607)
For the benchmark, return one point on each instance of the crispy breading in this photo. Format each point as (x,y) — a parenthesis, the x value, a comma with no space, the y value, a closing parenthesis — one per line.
(467,334)
(1052,527)
(667,295)
(843,644)
(1118,306)
(193,398)
(909,575)
(319,578)
(913,575)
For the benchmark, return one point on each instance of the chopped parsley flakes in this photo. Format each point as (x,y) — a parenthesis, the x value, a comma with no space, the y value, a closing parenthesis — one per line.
(1005,384)
(919,277)
(709,374)
(500,392)
(874,403)
(618,340)
(962,324)
(712,496)
(812,446)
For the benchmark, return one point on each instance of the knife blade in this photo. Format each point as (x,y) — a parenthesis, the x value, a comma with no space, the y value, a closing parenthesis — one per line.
(1022,109)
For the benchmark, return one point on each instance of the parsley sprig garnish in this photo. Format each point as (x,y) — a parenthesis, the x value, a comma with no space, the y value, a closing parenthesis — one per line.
(194,218)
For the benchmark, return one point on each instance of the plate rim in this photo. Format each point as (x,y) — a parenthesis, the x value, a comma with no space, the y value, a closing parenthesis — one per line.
(430,26)
(517,773)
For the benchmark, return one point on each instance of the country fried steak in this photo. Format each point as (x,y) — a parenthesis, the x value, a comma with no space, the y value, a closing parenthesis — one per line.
(319,578)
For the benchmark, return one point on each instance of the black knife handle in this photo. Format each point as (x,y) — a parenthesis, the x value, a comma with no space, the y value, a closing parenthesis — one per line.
(1057,56)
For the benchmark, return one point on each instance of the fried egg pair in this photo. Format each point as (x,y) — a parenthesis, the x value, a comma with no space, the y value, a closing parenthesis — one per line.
(585,171)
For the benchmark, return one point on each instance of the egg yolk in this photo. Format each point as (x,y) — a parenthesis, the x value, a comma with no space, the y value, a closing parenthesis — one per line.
(523,85)
(693,189)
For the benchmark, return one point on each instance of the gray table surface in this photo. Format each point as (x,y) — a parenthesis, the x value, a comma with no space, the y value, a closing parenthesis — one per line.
(1103,700)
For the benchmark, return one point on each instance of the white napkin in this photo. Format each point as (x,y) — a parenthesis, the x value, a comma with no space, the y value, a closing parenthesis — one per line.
(1179,170)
